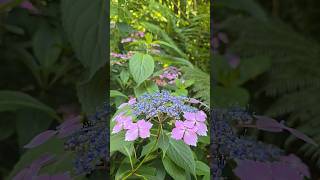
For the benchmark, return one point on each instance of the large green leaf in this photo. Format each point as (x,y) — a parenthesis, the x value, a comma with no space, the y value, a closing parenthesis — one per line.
(7,126)
(147,86)
(14,100)
(182,155)
(141,67)
(226,96)
(202,168)
(53,146)
(46,42)
(87,29)
(252,67)
(93,93)
(115,93)
(29,123)
(117,143)
(173,170)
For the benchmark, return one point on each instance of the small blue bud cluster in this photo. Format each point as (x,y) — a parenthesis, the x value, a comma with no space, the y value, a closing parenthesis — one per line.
(150,105)
(239,114)
(90,143)
(227,145)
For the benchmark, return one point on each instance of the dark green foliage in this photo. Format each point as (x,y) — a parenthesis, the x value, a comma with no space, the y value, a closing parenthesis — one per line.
(292,82)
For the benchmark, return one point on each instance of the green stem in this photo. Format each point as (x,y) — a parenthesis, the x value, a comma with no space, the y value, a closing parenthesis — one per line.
(145,158)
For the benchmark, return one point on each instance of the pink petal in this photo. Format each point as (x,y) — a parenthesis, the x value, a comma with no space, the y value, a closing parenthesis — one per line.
(142,124)
(177,133)
(268,124)
(190,138)
(43,177)
(117,128)
(117,116)
(201,116)
(70,122)
(40,139)
(179,124)
(144,128)
(64,132)
(22,174)
(29,6)
(127,122)
(301,136)
(252,170)
(132,133)
(189,116)
(189,124)
(132,101)
(193,101)
(201,129)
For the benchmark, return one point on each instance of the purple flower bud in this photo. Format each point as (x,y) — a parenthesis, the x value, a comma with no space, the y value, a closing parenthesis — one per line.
(233,60)
(223,37)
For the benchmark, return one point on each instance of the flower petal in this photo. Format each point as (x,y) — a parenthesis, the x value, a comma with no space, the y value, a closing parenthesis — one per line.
(201,116)
(132,133)
(190,138)
(117,128)
(177,133)
(189,116)
(144,128)
(179,124)
(40,138)
(201,129)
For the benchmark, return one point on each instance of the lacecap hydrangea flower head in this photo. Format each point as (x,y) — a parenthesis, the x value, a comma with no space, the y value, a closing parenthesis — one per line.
(161,109)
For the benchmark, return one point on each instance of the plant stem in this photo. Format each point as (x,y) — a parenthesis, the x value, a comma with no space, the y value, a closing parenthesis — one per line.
(145,158)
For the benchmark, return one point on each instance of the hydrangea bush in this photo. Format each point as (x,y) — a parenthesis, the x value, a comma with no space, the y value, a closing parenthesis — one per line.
(252,157)
(158,128)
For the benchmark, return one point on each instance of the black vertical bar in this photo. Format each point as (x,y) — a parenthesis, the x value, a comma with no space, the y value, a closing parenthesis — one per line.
(107,103)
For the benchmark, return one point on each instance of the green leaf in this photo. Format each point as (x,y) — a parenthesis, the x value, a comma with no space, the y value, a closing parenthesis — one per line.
(181,154)
(46,45)
(141,67)
(173,60)
(93,93)
(29,123)
(163,143)
(14,100)
(147,86)
(224,97)
(124,76)
(123,169)
(117,143)
(64,163)
(161,172)
(7,127)
(173,170)
(115,93)
(53,146)
(251,68)
(87,30)
(202,168)
(148,147)
(181,92)
(147,171)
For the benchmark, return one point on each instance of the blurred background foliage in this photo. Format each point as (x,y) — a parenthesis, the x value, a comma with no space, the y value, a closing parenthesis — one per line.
(266,54)
(52,69)
(183,27)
